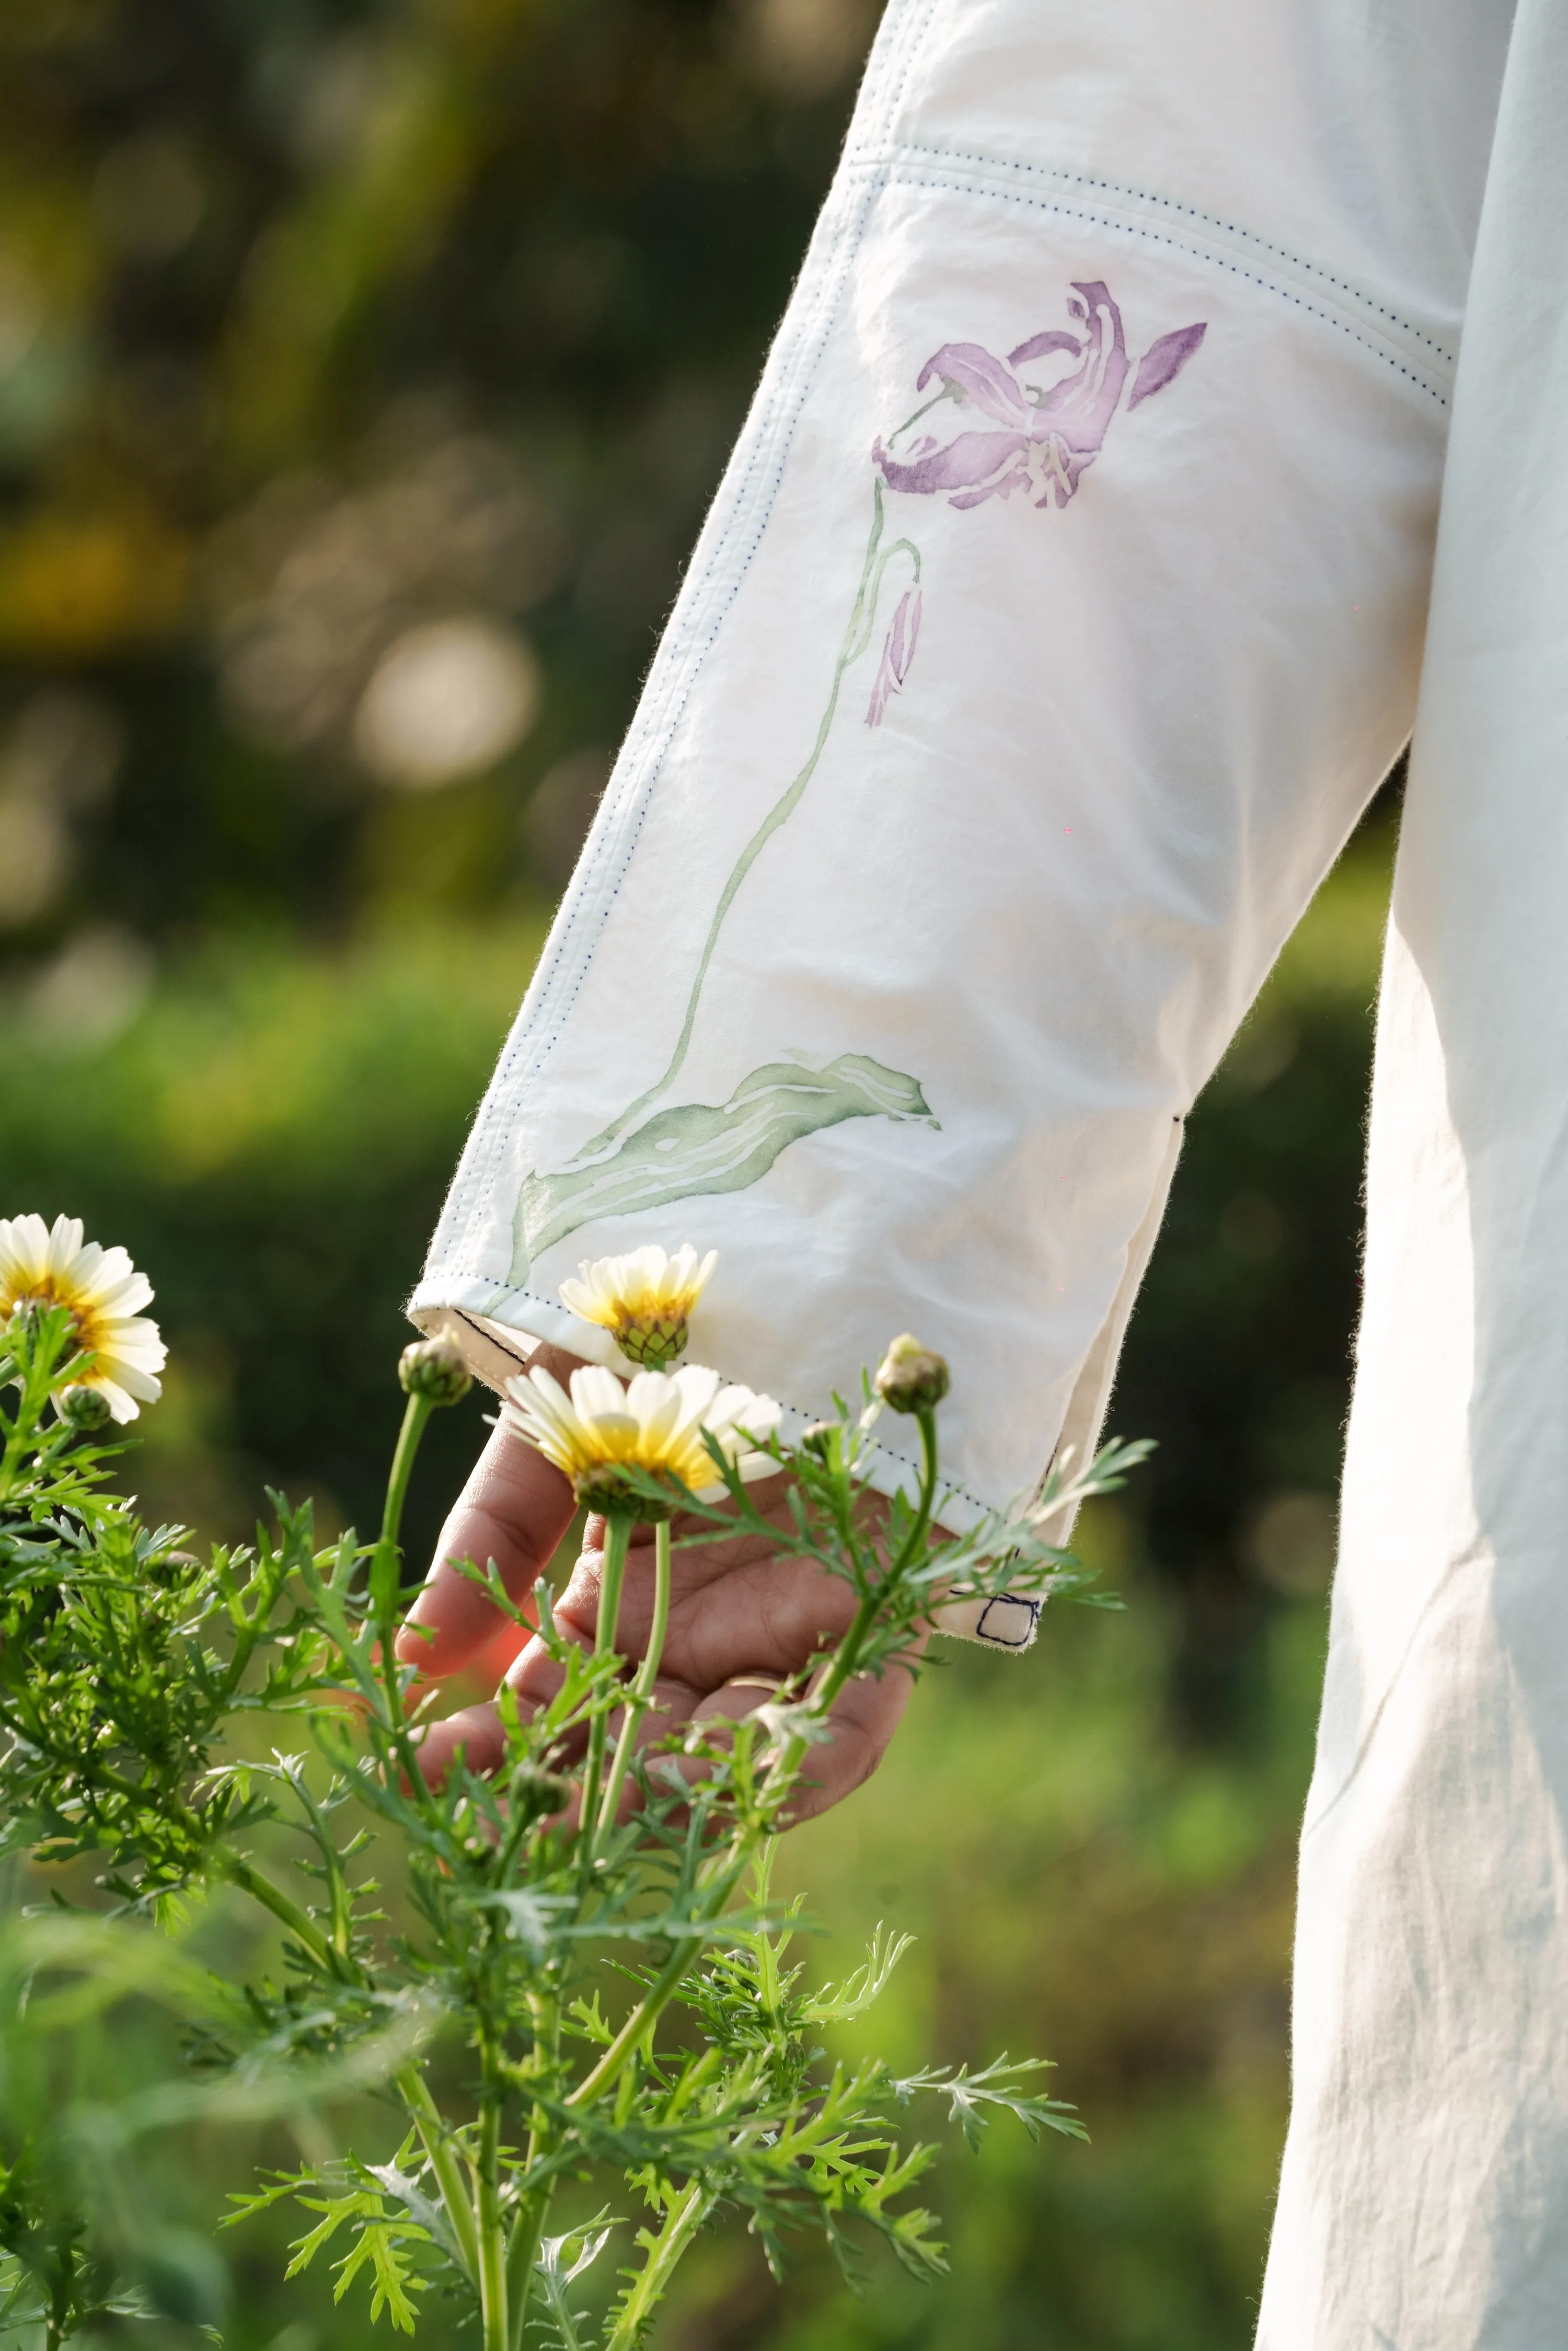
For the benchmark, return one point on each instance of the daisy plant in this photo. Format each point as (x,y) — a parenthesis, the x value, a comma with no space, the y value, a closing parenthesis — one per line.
(566,1983)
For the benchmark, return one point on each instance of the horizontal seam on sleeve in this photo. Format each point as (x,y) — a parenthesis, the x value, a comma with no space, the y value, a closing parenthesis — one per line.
(505,1291)
(1348,314)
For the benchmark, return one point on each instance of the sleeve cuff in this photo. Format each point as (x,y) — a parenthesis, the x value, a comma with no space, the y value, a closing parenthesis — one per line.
(497,1352)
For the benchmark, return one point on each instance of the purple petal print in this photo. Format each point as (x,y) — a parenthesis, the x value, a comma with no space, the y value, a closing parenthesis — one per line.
(1081,406)
(1053,340)
(1053,398)
(968,368)
(897,652)
(1164,361)
(963,464)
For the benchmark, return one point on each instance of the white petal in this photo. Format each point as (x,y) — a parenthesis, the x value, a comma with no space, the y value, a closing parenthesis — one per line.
(649,1390)
(123,1407)
(64,1240)
(132,1342)
(698,1387)
(27,1246)
(595,1391)
(659,1418)
(580,1300)
(126,1296)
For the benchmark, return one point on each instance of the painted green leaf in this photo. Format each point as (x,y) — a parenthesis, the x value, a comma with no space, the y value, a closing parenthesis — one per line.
(703,1147)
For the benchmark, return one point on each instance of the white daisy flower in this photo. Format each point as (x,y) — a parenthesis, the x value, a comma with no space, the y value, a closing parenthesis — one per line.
(656,1425)
(54,1266)
(644,1300)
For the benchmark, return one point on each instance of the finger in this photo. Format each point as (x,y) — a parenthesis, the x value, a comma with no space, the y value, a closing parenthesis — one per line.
(735,1605)
(514,1510)
(474,1731)
(864,1718)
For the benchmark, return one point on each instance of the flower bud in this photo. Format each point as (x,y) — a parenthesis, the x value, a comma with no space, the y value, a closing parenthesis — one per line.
(910,1377)
(433,1369)
(609,1492)
(536,1793)
(85,1409)
(818,1439)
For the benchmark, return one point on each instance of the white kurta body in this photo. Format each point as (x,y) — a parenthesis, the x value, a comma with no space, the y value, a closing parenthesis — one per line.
(1060,609)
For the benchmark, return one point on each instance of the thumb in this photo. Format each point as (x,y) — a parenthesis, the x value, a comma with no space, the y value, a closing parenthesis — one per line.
(514,1510)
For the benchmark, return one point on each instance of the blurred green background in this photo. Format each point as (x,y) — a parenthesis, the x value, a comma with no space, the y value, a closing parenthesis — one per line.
(364,372)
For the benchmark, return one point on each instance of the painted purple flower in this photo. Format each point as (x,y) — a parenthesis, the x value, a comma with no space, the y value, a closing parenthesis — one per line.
(1047,407)
(897,652)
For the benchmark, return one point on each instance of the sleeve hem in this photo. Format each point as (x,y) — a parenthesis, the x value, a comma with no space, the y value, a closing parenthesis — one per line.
(495,1351)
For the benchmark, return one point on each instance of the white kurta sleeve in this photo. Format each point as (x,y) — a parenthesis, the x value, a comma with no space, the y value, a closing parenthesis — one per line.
(1058,614)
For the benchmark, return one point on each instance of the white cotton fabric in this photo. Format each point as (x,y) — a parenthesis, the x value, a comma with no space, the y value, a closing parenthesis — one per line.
(1117,744)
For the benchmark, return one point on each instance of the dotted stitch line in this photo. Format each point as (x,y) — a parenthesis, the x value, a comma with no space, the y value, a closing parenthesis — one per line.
(697,655)
(916,43)
(1164,203)
(688,652)
(586,902)
(504,1294)
(956,185)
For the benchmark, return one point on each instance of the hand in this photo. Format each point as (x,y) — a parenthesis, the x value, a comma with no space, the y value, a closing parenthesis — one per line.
(741,1620)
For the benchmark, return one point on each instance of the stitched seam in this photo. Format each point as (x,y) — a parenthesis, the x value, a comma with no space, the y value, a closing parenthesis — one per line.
(1151,199)
(958,185)
(549,1002)
(548,1008)
(916,43)
(505,1292)
(541,1020)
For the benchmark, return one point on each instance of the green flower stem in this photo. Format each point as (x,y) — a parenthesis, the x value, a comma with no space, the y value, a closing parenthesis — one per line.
(640,1696)
(40,1362)
(652,2002)
(495,2332)
(386,1563)
(528,2227)
(386,1578)
(841,1668)
(415,2091)
(915,1541)
(681,2225)
(521,2256)
(249,1879)
(617,1539)
(408,2080)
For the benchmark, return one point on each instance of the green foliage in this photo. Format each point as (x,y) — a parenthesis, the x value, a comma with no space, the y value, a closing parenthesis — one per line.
(1095,1846)
(327,321)
(128,1663)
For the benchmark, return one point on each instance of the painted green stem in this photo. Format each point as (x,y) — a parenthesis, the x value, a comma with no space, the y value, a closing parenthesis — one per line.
(857,636)
(639,1696)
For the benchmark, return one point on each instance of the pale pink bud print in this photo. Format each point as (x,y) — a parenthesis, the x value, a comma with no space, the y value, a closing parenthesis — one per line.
(897,652)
